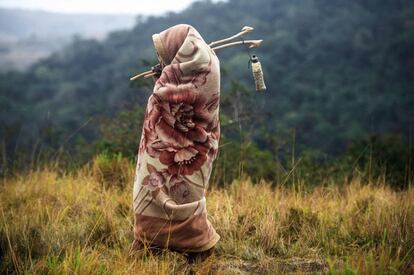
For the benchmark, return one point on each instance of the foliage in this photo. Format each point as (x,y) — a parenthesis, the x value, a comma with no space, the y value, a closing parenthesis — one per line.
(120,135)
(112,170)
(389,158)
(336,72)
(236,160)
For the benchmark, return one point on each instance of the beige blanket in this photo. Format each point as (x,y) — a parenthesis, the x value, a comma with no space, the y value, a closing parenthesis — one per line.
(178,145)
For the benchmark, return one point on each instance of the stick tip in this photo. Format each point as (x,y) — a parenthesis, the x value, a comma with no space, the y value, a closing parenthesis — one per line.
(247,29)
(256,43)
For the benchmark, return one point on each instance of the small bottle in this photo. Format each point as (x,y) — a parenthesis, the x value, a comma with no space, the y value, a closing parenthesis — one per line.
(258,74)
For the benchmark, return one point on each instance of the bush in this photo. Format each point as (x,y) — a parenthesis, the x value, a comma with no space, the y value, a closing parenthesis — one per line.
(112,170)
(388,157)
(237,159)
(121,134)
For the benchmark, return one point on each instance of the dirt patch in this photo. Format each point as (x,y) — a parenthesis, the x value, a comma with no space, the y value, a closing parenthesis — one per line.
(272,266)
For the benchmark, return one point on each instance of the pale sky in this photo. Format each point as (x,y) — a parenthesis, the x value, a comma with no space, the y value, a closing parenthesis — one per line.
(100,6)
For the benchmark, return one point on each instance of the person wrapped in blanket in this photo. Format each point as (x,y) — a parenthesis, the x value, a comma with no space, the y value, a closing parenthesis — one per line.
(178,145)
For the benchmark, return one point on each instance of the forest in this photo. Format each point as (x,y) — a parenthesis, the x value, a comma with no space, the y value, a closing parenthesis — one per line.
(340,78)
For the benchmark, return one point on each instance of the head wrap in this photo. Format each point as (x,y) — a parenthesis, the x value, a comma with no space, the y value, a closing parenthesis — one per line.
(178,145)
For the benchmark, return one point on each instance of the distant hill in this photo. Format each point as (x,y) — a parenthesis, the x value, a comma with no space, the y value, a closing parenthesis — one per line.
(27,35)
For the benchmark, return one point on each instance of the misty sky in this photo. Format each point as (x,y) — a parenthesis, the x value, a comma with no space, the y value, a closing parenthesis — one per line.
(100,6)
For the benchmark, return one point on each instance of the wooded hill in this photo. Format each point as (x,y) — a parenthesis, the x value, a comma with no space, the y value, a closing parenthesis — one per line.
(336,71)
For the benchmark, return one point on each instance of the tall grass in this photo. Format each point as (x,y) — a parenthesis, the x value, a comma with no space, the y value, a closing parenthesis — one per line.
(78,223)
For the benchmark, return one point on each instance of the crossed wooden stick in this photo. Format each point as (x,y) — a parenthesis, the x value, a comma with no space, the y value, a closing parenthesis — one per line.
(214,47)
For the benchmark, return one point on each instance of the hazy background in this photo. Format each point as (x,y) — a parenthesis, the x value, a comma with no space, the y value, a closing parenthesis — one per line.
(30,30)
(340,78)
(100,6)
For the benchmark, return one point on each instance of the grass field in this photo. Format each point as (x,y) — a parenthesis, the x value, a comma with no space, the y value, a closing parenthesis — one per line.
(53,223)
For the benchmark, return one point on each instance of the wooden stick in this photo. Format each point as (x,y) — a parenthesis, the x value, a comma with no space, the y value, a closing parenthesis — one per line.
(144,74)
(245,29)
(252,44)
(149,75)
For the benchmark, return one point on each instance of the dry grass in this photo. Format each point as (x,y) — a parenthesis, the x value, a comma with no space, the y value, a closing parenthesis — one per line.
(73,223)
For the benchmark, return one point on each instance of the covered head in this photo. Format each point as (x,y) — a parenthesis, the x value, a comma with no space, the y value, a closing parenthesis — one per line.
(182,45)
(168,42)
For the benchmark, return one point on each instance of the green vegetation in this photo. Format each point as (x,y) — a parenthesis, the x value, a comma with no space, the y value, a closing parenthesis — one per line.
(337,73)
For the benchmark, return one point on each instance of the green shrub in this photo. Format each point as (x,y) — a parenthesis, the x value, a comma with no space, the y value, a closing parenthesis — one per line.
(112,170)
(388,157)
(122,133)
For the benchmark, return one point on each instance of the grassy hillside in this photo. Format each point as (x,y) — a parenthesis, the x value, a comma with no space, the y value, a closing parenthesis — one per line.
(54,223)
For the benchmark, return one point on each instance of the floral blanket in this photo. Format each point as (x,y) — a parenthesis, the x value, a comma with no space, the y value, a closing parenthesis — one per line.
(178,145)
